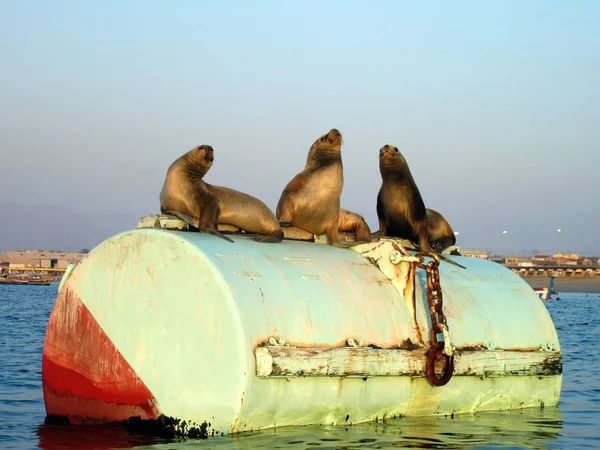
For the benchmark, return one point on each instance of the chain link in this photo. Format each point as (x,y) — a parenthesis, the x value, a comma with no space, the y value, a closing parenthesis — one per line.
(437,349)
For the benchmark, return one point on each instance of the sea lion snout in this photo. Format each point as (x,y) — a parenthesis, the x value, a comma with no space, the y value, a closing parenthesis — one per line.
(388,150)
(334,136)
(209,153)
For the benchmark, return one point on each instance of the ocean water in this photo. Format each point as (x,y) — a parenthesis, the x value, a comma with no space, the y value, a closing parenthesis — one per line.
(575,423)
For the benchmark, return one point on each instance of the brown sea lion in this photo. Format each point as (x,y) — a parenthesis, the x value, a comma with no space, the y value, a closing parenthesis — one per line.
(311,200)
(439,232)
(186,195)
(400,207)
(351,221)
(247,213)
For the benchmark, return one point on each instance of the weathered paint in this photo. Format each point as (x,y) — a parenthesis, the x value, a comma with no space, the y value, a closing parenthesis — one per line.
(85,376)
(191,313)
(376,362)
(66,275)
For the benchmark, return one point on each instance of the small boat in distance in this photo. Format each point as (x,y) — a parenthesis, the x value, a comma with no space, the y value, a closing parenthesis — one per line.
(34,279)
(545,293)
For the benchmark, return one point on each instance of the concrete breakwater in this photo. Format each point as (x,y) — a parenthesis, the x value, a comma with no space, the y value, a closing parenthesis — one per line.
(567,284)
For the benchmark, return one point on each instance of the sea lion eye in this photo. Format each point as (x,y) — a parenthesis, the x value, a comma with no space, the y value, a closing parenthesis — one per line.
(322,139)
(396,149)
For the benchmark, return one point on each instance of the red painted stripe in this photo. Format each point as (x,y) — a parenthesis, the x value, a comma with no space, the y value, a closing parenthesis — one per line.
(84,375)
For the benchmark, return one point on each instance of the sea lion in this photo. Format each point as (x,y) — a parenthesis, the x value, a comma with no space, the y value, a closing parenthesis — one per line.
(400,207)
(439,232)
(186,195)
(351,221)
(311,200)
(247,213)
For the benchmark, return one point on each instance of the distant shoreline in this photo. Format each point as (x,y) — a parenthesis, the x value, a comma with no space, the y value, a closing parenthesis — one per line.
(589,285)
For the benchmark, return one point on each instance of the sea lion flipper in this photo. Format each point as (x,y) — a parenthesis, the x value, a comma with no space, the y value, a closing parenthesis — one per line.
(186,218)
(218,234)
(274,237)
(209,211)
(342,244)
(441,257)
(448,260)
(354,223)
(194,223)
(334,240)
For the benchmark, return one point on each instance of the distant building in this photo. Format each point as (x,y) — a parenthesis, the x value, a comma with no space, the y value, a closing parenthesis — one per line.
(37,259)
(563,256)
(539,257)
(475,254)
(525,263)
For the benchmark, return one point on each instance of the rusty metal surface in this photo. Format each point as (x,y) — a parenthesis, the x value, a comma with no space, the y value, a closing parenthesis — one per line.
(366,362)
(438,349)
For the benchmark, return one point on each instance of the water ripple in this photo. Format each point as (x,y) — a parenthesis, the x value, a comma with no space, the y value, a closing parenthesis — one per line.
(24,313)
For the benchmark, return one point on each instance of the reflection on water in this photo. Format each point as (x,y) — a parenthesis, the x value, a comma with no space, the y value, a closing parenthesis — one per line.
(24,313)
(532,428)
(89,438)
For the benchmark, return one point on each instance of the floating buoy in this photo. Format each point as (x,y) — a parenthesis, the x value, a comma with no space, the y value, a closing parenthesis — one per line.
(160,321)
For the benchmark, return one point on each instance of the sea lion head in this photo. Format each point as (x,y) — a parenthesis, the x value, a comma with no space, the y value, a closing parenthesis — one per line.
(331,139)
(200,159)
(391,159)
(326,147)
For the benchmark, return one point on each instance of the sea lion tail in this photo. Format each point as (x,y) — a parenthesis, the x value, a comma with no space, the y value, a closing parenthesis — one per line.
(276,236)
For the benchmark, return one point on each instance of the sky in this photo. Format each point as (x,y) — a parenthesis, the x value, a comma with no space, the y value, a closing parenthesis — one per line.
(493,104)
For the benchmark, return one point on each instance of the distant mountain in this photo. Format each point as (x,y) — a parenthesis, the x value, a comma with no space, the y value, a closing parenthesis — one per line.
(56,228)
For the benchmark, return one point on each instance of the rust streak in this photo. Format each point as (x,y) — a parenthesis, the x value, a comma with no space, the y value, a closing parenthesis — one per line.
(245,273)
(291,258)
(314,277)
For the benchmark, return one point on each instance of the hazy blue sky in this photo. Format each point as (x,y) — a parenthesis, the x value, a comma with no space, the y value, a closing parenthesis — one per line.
(495,105)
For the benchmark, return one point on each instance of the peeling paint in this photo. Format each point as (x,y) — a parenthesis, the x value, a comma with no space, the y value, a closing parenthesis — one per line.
(289,361)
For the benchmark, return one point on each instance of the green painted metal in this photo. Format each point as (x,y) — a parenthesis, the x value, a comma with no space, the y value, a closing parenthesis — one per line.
(187,311)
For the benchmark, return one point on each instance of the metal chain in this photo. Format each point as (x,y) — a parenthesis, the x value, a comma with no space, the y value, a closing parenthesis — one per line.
(435,301)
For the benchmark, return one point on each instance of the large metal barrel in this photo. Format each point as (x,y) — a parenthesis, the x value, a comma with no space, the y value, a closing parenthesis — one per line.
(247,335)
